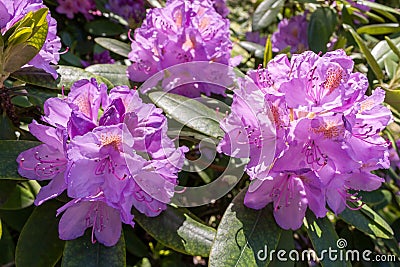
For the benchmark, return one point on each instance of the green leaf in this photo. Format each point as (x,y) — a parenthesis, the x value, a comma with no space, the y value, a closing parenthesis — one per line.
(16,219)
(6,188)
(376,6)
(265,13)
(322,24)
(382,51)
(25,39)
(393,46)
(243,235)
(134,245)
(390,68)
(9,151)
(7,129)
(118,47)
(268,51)
(39,245)
(364,49)
(7,248)
(177,229)
(286,243)
(367,221)
(377,197)
(323,236)
(104,27)
(116,74)
(256,49)
(386,14)
(377,29)
(392,97)
(22,196)
(82,252)
(35,76)
(189,112)
(69,75)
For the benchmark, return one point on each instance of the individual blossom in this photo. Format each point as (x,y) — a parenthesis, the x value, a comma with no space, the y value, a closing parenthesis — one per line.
(291,32)
(326,130)
(110,152)
(181,32)
(13,11)
(133,11)
(70,8)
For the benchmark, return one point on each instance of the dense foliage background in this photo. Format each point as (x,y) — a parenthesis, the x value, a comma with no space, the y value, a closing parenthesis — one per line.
(223,233)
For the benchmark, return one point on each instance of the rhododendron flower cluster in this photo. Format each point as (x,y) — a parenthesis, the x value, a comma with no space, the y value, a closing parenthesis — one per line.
(109,152)
(327,134)
(12,11)
(183,31)
(131,10)
(71,7)
(291,32)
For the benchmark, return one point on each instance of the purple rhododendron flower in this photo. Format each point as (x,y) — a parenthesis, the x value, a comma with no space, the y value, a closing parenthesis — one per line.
(12,11)
(327,134)
(291,32)
(71,7)
(94,148)
(132,11)
(183,31)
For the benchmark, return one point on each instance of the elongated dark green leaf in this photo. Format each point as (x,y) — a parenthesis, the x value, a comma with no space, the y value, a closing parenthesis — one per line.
(322,24)
(189,112)
(243,235)
(376,29)
(266,13)
(22,196)
(36,77)
(69,75)
(134,245)
(104,27)
(390,68)
(393,46)
(323,236)
(81,252)
(116,74)
(377,6)
(115,46)
(286,243)
(392,97)
(364,49)
(7,248)
(38,244)
(177,229)
(9,151)
(267,51)
(7,128)
(386,14)
(367,221)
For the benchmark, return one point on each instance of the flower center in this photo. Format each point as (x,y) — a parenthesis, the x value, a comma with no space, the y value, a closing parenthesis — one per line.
(330,130)
(83,103)
(113,140)
(334,76)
